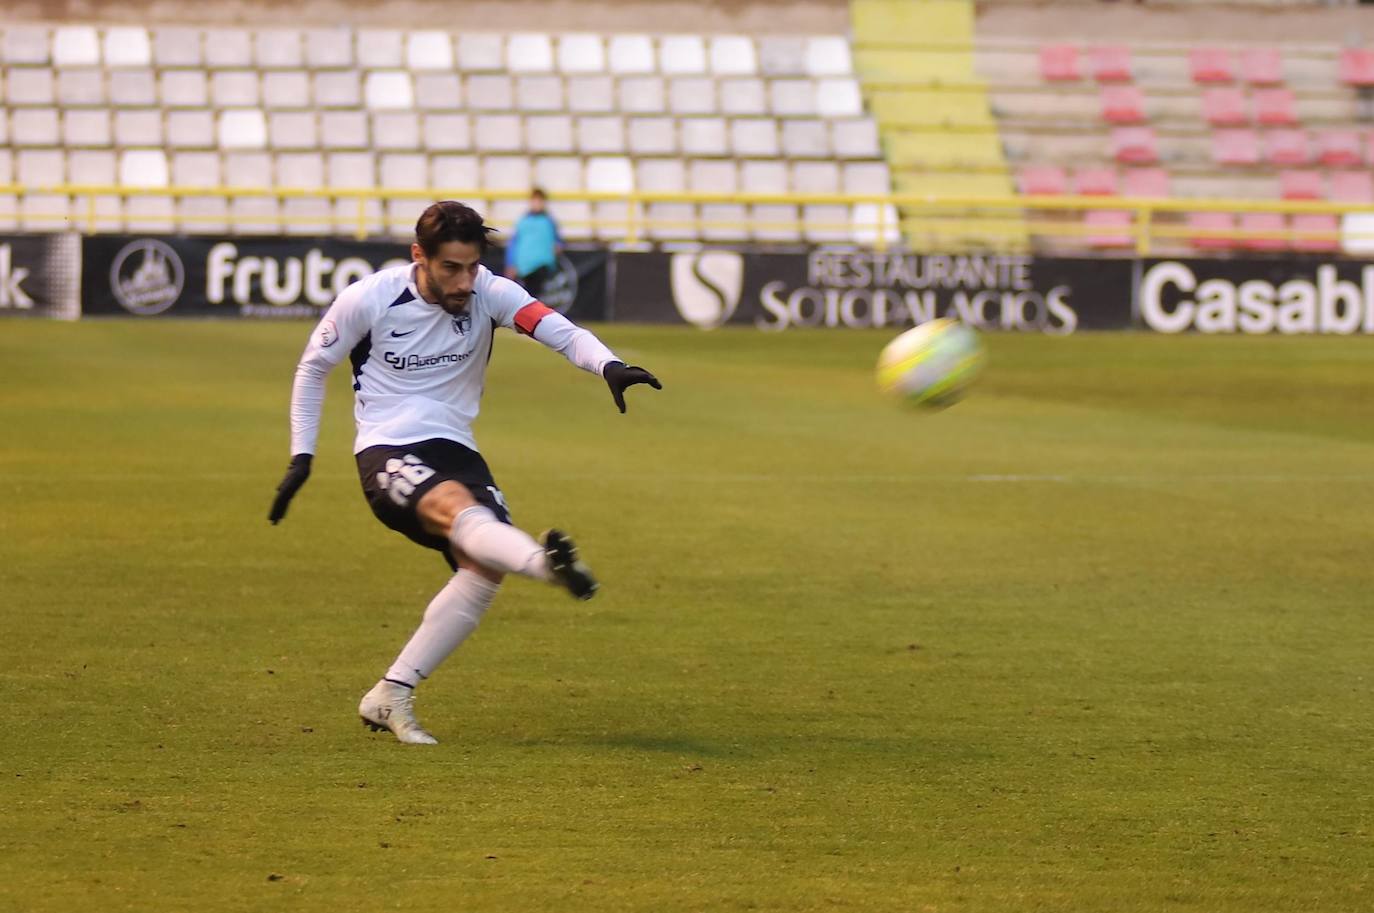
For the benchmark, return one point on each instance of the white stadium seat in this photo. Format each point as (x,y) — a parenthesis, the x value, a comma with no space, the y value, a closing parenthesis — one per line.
(642,95)
(692,95)
(828,55)
(176,46)
(661,175)
(805,139)
(506,172)
(782,56)
(713,176)
(703,136)
(95,168)
(591,94)
(329,47)
(184,89)
(446,132)
(754,137)
(26,44)
(438,91)
(743,96)
(203,215)
(292,130)
(682,54)
(190,129)
(403,171)
(498,133)
(651,136)
(490,93)
(40,167)
(143,168)
(815,177)
(300,169)
(610,174)
(454,172)
(244,128)
(529,53)
(230,49)
(764,176)
(827,222)
(132,87)
(856,139)
(396,130)
(6,162)
(838,97)
(4,130)
(150,214)
(866,178)
(723,221)
(344,130)
(733,55)
(380,49)
(539,93)
(234,89)
(429,50)
(29,86)
(279,49)
(34,127)
(286,89)
(481,52)
(80,88)
(671,221)
(352,170)
(792,98)
(600,135)
(256,215)
(338,89)
(549,133)
(631,54)
(127,46)
(75,46)
(248,169)
(866,224)
(196,169)
(90,127)
(307,216)
(558,174)
(388,89)
(581,53)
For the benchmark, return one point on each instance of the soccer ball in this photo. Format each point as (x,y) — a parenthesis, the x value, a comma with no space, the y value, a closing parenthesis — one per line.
(932,364)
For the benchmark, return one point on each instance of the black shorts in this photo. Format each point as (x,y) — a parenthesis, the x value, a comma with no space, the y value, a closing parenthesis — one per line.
(396,476)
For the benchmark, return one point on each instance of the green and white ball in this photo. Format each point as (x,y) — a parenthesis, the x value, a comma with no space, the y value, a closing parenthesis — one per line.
(932,364)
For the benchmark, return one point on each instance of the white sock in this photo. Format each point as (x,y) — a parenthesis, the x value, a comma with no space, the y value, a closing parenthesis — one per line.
(451,616)
(478,534)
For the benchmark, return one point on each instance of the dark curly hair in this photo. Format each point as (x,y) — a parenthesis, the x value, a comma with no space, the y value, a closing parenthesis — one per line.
(449,220)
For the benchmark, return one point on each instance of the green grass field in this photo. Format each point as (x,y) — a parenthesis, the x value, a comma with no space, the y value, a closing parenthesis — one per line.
(1100,638)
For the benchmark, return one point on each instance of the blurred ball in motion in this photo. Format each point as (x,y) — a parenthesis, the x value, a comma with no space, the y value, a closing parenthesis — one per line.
(932,364)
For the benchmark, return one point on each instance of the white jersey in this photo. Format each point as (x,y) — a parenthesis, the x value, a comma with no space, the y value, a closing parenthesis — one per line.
(418,371)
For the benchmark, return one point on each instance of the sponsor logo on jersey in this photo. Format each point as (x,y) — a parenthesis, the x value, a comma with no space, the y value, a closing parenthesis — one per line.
(461,324)
(397,335)
(146,277)
(423,362)
(707,286)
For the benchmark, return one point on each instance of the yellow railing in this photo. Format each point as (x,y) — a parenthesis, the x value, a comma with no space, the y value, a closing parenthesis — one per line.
(628,217)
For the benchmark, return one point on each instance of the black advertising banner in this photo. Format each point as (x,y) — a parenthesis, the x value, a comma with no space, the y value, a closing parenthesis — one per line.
(834,288)
(274,277)
(40,274)
(1256,296)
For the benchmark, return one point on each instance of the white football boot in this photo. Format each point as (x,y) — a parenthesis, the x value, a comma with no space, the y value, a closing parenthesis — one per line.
(392,706)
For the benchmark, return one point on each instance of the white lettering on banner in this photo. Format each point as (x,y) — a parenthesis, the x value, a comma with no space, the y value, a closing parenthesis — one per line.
(282,281)
(845,269)
(12,294)
(1328,305)
(880,307)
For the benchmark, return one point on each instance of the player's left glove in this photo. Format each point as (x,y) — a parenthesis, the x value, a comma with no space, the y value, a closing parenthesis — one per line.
(296,474)
(619,376)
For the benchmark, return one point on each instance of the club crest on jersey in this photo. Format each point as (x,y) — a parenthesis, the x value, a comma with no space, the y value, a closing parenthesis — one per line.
(462,323)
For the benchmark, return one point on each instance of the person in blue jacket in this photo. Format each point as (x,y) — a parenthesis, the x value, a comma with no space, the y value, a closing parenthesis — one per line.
(532,255)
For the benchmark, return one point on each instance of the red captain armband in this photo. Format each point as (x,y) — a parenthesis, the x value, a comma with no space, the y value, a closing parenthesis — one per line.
(528,317)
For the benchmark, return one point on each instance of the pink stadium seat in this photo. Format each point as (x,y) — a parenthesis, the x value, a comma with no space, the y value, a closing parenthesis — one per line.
(1224,107)
(1340,148)
(1095,182)
(1262,66)
(1212,221)
(1287,147)
(1146,182)
(1357,67)
(1109,228)
(1059,63)
(1266,222)
(1352,187)
(1211,65)
(1135,145)
(1301,185)
(1316,222)
(1044,180)
(1123,104)
(1235,147)
(1274,107)
(1111,63)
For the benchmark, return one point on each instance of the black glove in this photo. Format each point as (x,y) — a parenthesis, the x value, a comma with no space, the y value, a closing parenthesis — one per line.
(619,376)
(296,474)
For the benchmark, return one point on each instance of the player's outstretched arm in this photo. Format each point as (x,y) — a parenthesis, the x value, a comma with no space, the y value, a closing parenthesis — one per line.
(620,376)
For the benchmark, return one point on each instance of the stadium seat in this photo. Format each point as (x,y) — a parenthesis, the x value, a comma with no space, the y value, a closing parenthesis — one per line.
(1145,182)
(75,46)
(440,91)
(1274,107)
(1301,185)
(550,133)
(359,170)
(127,46)
(35,127)
(792,98)
(754,137)
(761,176)
(1357,67)
(1262,66)
(661,175)
(1263,222)
(866,178)
(539,93)
(838,97)
(1134,145)
(132,87)
(406,171)
(1210,64)
(388,89)
(480,53)
(1287,147)
(429,50)
(278,49)
(1122,104)
(704,136)
(338,89)
(89,127)
(1235,147)
(40,167)
(609,174)
(529,53)
(811,139)
(591,94)
(651,136)
(307,216)
(29,86)
(722,176)
(490,92)
(1322,232)
(1059,63)
(782,56)
(234,89)
(1211,222)
(1352,187)
(1224,107)
(242,129)
(562,174)
(381,49)
(1095,182)
(26,45)
(286,89)
(743,97)
(1109,228)
(184,89)
(815,177)
(138,127)
(682,55)
(642,95)
(1043,180)
(344,130)
(329,47)
(301,169)
(733,55)
(600,135)
(292,130)
(827,223)
(230,49)
(175,46)
(1111,63)
(455,172)
(490,133)
(196,169)
(828,55)
(80,88)
(581,53)
(692,95)
(631,54)
(91,167)
(1340,148)
(143,168)
(453,132)
(190,129)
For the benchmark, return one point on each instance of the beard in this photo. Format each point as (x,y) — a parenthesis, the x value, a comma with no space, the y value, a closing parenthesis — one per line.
(457,305)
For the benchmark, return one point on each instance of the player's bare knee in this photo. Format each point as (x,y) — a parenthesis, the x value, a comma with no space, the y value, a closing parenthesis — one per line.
(441,504)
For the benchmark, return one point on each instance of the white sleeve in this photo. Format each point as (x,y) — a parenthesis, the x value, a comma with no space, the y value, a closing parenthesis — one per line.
(577,345)
(338,332)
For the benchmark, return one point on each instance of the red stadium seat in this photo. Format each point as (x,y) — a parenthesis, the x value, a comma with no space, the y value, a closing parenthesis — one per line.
(1352,187)
(1301,185)
(1224,107)
(1095,182)
(1211,65)
(1287,147)
(1111,63)
(1262,66)
(1340,148)
(1263,222)
(1109,228)
(1316,222)
(1274,107)
(1146,182)
(1123,104)
(1357,67)
(1235,147)
(1059,63)
(1212,221)
(1135,145)
(1043,180)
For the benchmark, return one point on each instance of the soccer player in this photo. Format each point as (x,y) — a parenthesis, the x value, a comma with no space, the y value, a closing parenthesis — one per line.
(419,338)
